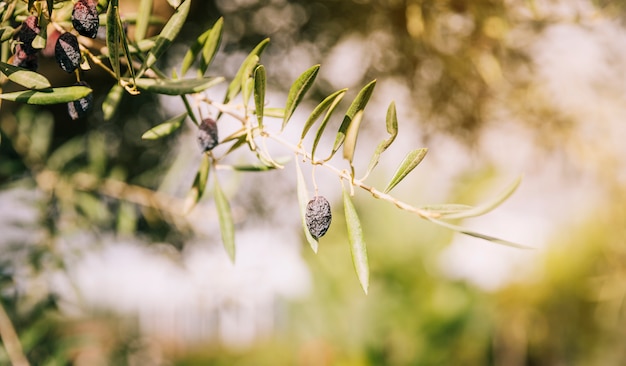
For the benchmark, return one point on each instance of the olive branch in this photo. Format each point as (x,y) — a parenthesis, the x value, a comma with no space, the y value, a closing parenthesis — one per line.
(134,65)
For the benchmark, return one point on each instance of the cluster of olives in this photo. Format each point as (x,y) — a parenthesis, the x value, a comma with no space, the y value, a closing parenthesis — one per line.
(66,48)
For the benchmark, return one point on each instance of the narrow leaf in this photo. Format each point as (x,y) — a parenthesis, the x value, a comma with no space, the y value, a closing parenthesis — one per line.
(303,200)
(319,109)
(49,96)
(259,93)
(358,104)
(392,129)
(259,167)
(351,135)
(247,87)
(112,101)
(167,35)
(409,163)
(211,45)
(199,184)
(487,206)
(113,37)
(177,87)
(492,239)
(274,112)
(127,53)
(235,85)
(143,19)
(164,129)
(297,91)
(207,42)
(190,112)
(322,127)
(227,226)
(26,78)
(357,244)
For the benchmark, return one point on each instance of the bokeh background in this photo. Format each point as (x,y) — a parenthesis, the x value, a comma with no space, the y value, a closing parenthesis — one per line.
(96,272)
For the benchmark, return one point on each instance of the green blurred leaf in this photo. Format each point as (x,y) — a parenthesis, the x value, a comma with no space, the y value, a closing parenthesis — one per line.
(227,226)
(167,35)
(26,78)
(351,136)
(297,91)
(207,42)
(357,244)
(259,93)
(462,230)
(190,111)
(247,87)
(487,206)
(199,184)
(164,129)
(50,4)
(409,163)
(303,200)
(177,87)
(320,130)
(211,45)
(113,36)
(259,167)
(359,103)
(48,96)
(143,19)
(126,218)
(320,108)
(392,129)
(65,153)
(274,112)
(127,53)
(112,101)
(247,66)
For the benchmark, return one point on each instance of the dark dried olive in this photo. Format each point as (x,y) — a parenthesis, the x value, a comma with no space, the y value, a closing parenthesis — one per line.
(27,33)
(207,134)
(318,216)
(85,18)
(79,108)
(67,52)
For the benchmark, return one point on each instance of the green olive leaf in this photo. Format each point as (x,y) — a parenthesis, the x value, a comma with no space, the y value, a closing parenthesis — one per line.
(319,109)
(48,96)
(357,244)
(167,35)
(392,129)
(143,19)
(199,184)
(411,160)
(259,93)
(164,129)
(113,36)
(246,67)
(359,103)
(487,206)
(227,226)
(26,78)
(464,231)
(112,101)
(297,91)
(177,87)
(320,130)
(351,135)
